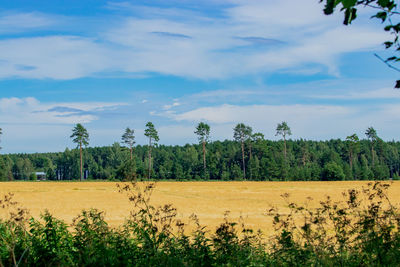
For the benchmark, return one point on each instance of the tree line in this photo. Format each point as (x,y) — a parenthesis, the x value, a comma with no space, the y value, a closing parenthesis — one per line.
(249,156)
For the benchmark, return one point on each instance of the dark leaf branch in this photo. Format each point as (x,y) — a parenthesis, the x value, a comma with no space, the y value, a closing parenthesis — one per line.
(387,14)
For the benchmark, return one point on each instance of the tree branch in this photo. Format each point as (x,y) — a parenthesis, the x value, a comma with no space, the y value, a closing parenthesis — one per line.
(383,9)
(388,64)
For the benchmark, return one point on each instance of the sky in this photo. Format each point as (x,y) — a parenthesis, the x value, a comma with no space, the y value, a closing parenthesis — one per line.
(116,64)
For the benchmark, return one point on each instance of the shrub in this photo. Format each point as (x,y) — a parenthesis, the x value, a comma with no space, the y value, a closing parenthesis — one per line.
(361,230)
(332,171)
(50,242)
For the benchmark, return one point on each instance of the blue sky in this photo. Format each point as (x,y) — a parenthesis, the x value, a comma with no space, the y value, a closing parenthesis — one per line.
(114,64)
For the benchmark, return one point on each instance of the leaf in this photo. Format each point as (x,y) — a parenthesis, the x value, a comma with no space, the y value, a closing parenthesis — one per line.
(391,58)
(396,27)
(349,15)
(380,15)
(329,7)
(388,28)
(348,3)
(388,44)
(383,3)
(397,86)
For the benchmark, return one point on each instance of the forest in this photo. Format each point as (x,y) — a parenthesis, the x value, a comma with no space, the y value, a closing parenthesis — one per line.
(241,159)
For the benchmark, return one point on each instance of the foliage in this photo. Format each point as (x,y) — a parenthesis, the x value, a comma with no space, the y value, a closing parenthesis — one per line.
(353,143)
(264,160)
(152,134)
(283,129)
(386,12)
(128,138)
(203,132)
(360,230)
(333,172)
(80,135)
(151,236)
(127,171)
(50,242)
(371,134)
(242,133)
(13,235)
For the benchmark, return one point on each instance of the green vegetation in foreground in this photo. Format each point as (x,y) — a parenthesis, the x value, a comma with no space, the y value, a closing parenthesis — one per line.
(362,230)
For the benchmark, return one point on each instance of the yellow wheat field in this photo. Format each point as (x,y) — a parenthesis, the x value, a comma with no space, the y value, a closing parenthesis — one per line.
(208,200)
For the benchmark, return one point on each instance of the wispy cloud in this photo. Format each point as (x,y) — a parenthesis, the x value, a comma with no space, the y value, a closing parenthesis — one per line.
(258,113)
(63,109)
(172,35)
(261,40)
(56,57)
(29,110)
(382,93)
(21,22)
(307,121)
(169,106)
(195,45)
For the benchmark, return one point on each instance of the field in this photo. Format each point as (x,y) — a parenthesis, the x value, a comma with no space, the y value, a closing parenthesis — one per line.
(208,200)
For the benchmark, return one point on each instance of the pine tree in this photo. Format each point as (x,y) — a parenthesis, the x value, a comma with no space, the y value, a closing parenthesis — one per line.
(284,130)
(242,133)
(128,138)
(81,137)
(152,134)
(373,137)
(203,132)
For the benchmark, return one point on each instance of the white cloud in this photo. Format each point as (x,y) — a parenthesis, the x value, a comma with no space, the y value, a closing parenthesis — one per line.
(31,111)
(296,13)
(57,57)
(174,104)
(382,93)
(309,122)
(209,95)
(191,46)
(261,113)
(19,22)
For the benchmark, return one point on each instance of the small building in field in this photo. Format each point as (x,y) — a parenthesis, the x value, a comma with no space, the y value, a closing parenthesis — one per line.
(40,175)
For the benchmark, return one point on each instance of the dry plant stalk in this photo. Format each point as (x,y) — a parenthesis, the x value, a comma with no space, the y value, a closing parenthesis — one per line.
(338,226)
(16,219)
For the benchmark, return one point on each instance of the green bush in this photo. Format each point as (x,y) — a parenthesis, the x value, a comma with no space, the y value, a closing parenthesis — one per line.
(33,177)
(50,242)
(332,172)
(127,171)
(361,230)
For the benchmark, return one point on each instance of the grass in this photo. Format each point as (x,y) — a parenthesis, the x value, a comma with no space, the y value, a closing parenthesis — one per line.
(208,200)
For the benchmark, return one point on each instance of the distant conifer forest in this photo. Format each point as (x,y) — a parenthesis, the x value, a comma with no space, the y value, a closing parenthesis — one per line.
(259,160)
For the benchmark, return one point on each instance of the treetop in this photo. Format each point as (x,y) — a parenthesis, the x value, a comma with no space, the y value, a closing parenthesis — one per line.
(151,132)
(80,135)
